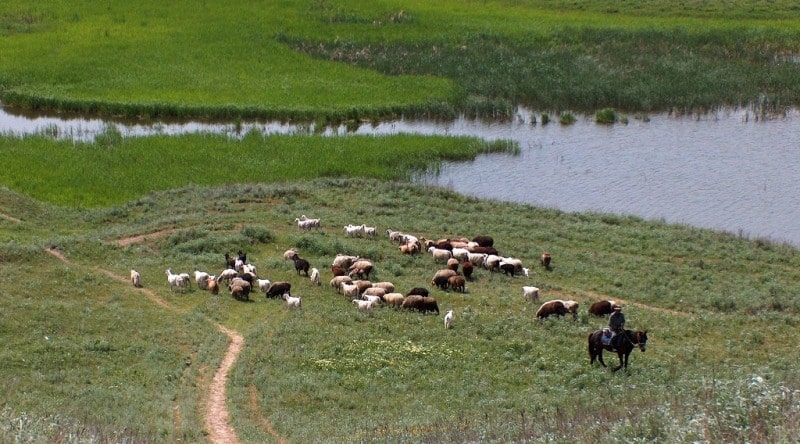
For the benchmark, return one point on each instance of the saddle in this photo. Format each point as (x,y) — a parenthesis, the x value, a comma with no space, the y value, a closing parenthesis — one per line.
(605,339)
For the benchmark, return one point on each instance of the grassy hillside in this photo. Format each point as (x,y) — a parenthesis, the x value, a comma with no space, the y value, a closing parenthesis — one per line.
(90,355)
(340,60)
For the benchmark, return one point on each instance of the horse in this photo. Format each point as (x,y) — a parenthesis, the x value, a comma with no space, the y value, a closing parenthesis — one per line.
(626,343)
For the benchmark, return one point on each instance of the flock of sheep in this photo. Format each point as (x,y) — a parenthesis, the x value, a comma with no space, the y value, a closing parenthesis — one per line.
(458,257)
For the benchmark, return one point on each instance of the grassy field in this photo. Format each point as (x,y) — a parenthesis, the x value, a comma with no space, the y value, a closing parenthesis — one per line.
(92,356)
(345,60)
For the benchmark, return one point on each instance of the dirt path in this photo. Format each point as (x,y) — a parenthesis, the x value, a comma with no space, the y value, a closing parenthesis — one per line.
(217,418)
(10,218)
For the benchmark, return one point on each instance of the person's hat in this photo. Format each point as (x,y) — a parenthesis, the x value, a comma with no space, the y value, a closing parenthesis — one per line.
(618,307)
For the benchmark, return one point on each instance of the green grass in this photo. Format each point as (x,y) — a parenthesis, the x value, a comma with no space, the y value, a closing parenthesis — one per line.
(721,311)
(340,60)
(114,169)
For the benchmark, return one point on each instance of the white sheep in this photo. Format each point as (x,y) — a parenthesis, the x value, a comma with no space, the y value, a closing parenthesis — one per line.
(178,281)
(263,285)
(337,281)
(227,274)
(354,230)
(440,254)
(394,299)
(395,236)
(388,286)
(292,301)
(315,276)
(201,277)
(249,268)
(477,259)
(349,290)
(136,279)
(290,254)
(448,319)
(375,291)
(307,224)
(344,261)
(530,293)
(370,232)
(365,306)
(376,300)
(461,254)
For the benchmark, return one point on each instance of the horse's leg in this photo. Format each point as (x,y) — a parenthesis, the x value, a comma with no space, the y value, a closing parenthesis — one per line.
(620,354)
(600,356)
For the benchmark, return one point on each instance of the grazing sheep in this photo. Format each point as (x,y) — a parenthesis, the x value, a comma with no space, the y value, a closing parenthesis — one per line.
(572,307)
(362,285)
(530,293)
(290,254)
(292,301)
(374,291)
(439,254)
(394,299)
(395,236)
(477,259)
(350,290)
(338,271)
(337,281)
(462,254)
(315,277)
(361,268)
(201,277)
(453,264)
(249,268)
(301,265)
(409,248)
(483,241)
(363,306)
(243,284)
(555,307)
(227,274)
(307,224)
(136,279)
(602,308)
(212,285)
(237,292)
(466,269)
(388,286)
(263,285)
(249,277)
(376,300)
(409,239)
(278,289)
(448,319)
(423,304)
(486,250)
(457,283)
(440,279)
(526,272)
(507,269)
(344,261)
(492,262)
(546,260)
(517,263)
(418,291)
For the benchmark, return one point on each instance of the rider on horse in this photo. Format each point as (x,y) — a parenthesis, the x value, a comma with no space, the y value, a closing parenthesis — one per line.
(616,323)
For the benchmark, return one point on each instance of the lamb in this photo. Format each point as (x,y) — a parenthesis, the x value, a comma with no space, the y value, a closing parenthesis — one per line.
(394,299)
(526,272)
(292,301)
(376,300)
(201,277)
(136,279)
(448,319)
(530,293)
(278,289)
(439,254)
(315,277)
(363,306)
(370,232)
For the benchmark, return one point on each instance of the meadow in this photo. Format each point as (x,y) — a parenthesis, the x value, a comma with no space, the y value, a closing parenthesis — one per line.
(343,60)
(93,359)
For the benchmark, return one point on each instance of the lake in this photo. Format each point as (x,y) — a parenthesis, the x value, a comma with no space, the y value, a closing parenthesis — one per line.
(730,170)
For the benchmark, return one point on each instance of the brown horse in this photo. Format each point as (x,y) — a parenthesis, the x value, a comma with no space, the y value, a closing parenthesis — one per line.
(626,340)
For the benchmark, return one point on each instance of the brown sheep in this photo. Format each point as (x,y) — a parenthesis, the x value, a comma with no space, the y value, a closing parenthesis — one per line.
(338,271)
(466,269)
(418,291)
(457,283)
(394,299)
(441,277)
(483,250)
(546,260)
(337,281)
(410,248)
(423,304)
(483,241)
(212,285)
(453,264)
(361,269)
(362,285)
(602,308)
(278,289)
(555,307)
(301,265)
